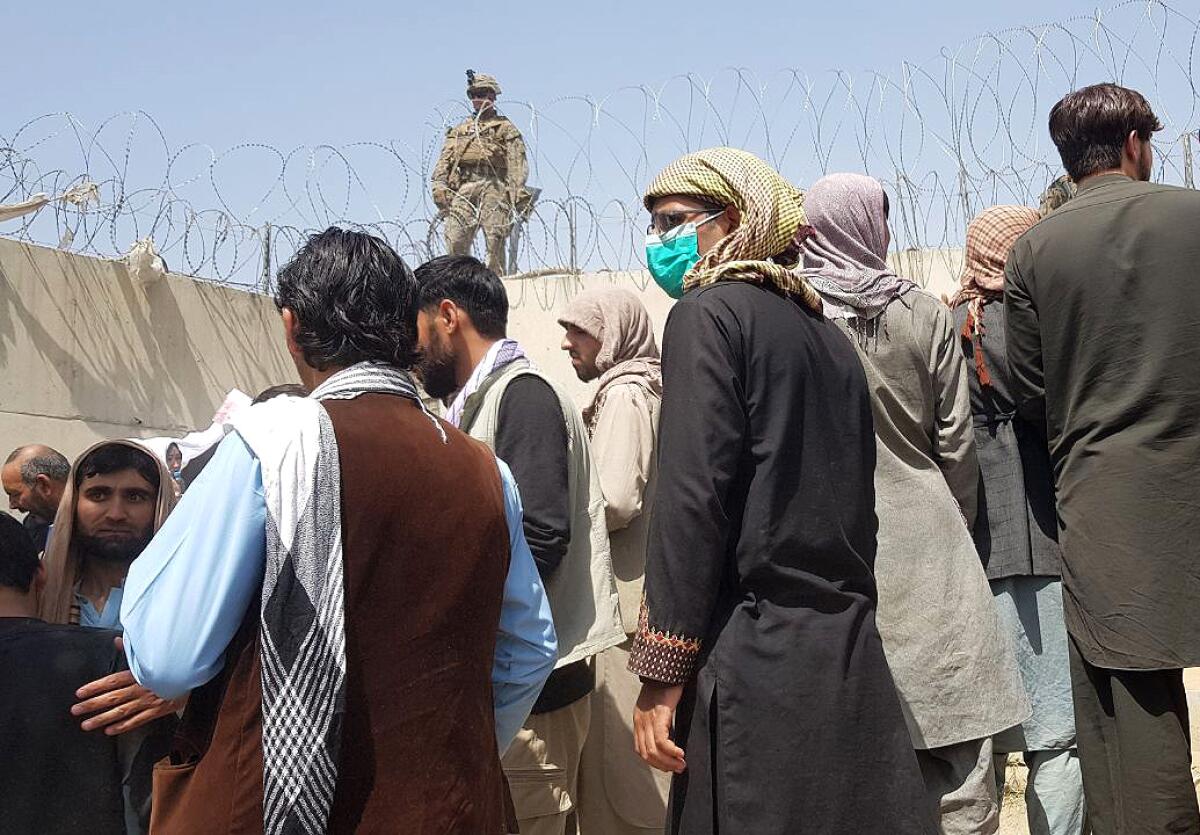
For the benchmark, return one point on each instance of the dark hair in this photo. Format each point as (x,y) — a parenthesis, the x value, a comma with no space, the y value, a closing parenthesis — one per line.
(288,389)
(18,555)
(48,462)
(112,458)
(1089,127)
(468,283)
(354,299)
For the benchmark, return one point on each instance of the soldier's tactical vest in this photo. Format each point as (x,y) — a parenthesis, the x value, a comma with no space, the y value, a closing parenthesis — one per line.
(482,146)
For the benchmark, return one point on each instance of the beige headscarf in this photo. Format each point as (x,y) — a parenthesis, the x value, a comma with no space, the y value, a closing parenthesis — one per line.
(764,247)
(57,601)
(619,322)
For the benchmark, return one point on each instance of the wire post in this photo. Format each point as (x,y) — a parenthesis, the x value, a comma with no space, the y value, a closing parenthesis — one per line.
(1188,180)
(265,280)
(571,233)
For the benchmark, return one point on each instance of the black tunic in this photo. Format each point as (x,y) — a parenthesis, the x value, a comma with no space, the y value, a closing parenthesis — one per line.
(54,777)
(1016,531)
(759,592)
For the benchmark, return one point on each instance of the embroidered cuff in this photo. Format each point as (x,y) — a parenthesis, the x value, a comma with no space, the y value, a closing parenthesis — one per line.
(662,656)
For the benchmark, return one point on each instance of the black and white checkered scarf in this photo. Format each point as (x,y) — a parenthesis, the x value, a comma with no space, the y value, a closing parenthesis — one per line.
(303,638)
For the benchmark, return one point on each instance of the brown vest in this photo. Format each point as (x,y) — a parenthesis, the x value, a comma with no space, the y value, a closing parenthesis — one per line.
(425,549)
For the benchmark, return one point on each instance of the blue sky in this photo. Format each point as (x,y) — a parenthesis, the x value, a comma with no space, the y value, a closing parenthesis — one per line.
(291,73)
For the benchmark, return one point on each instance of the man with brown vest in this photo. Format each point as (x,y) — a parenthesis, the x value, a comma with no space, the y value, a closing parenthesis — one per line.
(348,586)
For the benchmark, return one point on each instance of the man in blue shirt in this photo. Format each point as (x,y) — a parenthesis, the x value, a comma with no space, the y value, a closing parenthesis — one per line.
(346,589)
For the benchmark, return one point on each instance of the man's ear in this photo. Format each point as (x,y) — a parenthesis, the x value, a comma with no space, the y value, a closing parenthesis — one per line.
(449,316)
(734,214)
(290,324)
(1133,146)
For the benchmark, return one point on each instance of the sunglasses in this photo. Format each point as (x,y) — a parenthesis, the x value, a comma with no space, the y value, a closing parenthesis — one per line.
(663,222)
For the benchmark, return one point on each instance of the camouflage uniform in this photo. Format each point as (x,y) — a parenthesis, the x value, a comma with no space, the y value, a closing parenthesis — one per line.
(1056,194)
(479,180)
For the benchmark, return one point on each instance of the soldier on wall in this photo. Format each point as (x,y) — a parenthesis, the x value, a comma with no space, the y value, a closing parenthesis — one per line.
(479,179)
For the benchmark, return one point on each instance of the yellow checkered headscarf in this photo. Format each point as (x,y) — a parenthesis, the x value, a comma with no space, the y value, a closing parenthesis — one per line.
(772,216)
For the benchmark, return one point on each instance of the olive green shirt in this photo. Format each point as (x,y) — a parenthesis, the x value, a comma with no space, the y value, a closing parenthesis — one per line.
(1103,317)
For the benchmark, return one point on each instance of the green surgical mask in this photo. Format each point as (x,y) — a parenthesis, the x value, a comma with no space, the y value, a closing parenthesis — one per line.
(670,255)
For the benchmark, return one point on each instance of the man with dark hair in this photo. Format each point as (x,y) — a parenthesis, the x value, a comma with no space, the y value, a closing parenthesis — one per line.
(34,478)
(117,496)
(360,646)
(1102,328)
(516,410)
(57,778)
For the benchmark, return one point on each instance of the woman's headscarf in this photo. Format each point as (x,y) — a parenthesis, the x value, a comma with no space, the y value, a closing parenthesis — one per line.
(845,258)
(990,237)
(619,322)
(761,249)
(61,561)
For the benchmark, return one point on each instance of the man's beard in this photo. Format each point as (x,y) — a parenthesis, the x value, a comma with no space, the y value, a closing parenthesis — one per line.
(123,550)
(436,371)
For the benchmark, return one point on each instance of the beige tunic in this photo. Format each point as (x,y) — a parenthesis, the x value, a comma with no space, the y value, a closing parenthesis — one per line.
(954,665)
(618,793)
(623,439)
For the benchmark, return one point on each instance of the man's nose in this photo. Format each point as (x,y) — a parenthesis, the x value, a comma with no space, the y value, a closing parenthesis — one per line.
(117,511)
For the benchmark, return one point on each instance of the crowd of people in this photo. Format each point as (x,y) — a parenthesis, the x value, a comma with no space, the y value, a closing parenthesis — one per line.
(821,566)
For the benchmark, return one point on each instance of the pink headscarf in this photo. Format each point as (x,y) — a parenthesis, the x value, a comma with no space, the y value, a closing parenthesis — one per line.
(845,258)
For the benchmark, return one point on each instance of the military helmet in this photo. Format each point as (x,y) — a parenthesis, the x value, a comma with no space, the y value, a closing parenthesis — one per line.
(1057,194)
(482,81)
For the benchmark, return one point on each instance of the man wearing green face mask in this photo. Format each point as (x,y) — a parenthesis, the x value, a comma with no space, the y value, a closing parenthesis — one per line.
(673,237)
(764,679)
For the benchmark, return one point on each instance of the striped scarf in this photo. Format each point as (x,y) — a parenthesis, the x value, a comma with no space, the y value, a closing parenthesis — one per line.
(501,353)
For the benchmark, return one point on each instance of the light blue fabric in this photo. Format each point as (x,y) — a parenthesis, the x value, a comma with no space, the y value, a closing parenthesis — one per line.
(1054,800)
(108,618)
(187,593)
(185,596)
(527,647)
(1031,611)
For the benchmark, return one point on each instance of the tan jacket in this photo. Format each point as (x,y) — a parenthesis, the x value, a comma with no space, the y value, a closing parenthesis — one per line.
(623,440)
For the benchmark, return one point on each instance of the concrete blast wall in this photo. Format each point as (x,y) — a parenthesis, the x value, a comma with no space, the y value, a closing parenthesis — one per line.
(88,351)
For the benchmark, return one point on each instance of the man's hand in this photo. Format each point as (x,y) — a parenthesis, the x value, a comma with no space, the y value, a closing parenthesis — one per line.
(441,197)
(120,704)
(652,720)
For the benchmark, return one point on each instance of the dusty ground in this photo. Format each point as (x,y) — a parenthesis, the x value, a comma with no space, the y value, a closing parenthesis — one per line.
(1012,817)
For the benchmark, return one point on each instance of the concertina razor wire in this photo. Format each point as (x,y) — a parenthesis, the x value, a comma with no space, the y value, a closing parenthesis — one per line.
(948,137)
